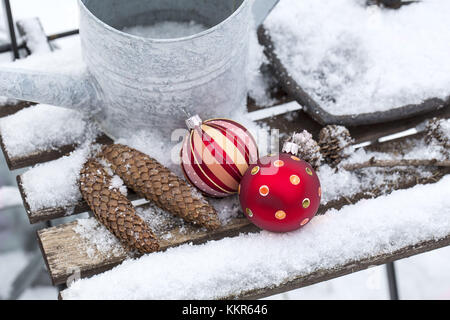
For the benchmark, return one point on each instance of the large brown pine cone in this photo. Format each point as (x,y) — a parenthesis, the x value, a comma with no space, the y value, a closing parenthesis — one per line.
(333,142)
(148,178)
(114,210)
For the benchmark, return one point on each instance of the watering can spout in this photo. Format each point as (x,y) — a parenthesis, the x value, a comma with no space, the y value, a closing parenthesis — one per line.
(63,90)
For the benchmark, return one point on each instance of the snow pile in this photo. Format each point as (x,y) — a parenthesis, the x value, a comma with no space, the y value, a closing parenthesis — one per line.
(166,30)
(376,60)
(55,183)
(233,265)
(9,197)
(42,128)
(97,239)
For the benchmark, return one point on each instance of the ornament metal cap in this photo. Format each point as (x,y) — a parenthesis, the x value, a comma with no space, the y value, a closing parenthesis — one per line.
(193,122)
(290,147)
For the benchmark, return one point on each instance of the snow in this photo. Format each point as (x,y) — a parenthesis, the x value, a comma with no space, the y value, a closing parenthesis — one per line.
(250,261)
(9,197)
(55,15)
(257,83)
(35,37)
(66,61)
(55,183)
(160,221)
(166,29)
(42,128)
(97,239)
(117,183)
(6,101)
(389,58)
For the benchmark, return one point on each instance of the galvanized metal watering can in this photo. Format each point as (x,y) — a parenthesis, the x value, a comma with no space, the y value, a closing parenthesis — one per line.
(139,83)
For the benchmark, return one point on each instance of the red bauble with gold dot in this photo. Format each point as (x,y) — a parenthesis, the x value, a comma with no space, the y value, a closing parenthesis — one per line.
(280,193)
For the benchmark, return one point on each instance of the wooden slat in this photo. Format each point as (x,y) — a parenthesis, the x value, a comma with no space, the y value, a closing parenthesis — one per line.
(7,110)
(59,244)
(36,216)
(41,156)
(342,270)
(298,121)
(63,253)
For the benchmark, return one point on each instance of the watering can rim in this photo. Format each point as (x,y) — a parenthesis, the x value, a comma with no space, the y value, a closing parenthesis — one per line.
(171,40)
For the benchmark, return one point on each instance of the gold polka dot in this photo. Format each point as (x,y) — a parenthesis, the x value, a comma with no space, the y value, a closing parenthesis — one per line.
(255,170)
(264,190)
(308,171)
(305,221)
(249,212)
(295,158)
(278,163)
(295,179)
(320,191)
(280,214)
(305,203)
(239,189)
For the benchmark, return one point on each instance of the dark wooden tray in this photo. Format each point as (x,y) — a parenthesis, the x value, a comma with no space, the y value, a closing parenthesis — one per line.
(313,108)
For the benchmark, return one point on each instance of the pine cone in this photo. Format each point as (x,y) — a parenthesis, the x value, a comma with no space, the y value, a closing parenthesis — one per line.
(334,141)
(156,183)
(437,133)
(308,149)
(114,210)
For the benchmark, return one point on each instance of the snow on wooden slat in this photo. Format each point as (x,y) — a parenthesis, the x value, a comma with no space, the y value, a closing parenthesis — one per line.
(65,251)
(59,261)
(44,214)
(47,201)
(370,232)
(339,271)
(43,133)
(286,123)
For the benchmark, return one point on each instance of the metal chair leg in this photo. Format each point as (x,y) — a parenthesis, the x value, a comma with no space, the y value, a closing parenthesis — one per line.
(392,281)
(12,31)
(27,276)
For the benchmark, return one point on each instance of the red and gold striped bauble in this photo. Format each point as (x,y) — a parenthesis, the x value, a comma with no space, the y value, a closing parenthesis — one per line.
(215,155)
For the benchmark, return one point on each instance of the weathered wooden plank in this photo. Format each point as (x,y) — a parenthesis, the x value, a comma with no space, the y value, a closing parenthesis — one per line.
(41,156)
(36,216)
(59,244)
(63,251)
(287,124)
(373,132)
(9,109)
(342,270)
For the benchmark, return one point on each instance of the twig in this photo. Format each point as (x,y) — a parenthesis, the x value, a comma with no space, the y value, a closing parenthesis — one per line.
(396,163)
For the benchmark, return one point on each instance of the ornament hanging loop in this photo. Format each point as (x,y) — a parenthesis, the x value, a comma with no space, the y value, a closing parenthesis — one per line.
(194,122)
